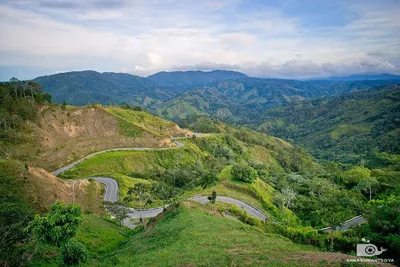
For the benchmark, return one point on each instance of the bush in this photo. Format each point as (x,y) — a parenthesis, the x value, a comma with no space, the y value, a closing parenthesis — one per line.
(244,172)
(73,252)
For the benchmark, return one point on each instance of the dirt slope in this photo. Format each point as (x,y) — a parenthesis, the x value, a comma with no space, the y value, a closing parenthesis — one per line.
(62,136)
(42,189)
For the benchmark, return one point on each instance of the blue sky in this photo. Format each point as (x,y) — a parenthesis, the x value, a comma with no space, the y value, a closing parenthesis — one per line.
(283,39)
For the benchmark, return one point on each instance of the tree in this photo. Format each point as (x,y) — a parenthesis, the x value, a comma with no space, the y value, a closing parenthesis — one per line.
(244,172)
(356,174)
(137,108)
(73,253)
(64,105)
(164,192)
(15,215)
(208,179)
(140,194)
(335,206)
(213,197)
(288,195)
(126,106)
(58,226)
(383,228)
(367,185)
(117,209)
(47,97)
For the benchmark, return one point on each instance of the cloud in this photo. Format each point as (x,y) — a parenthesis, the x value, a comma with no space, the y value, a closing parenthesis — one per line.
(300,69)
(145,36)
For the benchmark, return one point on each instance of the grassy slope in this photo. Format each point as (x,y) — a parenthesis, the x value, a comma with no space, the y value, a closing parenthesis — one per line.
(98,235)
(193,236)
(146,122)
(127,162)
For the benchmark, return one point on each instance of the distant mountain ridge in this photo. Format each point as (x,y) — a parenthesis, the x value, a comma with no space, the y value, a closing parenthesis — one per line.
(362,77)
(187,79)
(229,95)
(85,87)
(244,101)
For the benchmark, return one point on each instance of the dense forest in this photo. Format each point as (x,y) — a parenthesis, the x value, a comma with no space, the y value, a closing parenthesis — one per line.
(349,128)
(18,103)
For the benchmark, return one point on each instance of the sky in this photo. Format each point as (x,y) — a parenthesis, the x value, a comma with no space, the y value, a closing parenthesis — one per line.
(262,38)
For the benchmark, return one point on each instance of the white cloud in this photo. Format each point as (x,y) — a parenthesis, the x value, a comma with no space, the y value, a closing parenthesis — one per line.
(143,37)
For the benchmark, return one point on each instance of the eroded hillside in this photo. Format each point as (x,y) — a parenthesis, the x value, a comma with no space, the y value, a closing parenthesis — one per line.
(61,135)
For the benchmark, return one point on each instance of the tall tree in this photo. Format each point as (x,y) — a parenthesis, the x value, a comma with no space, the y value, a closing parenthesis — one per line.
(58,226)
(140,193)
(118,209)
(164,192)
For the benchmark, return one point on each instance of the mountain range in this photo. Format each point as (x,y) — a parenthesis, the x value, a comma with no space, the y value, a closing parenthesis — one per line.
(177,95)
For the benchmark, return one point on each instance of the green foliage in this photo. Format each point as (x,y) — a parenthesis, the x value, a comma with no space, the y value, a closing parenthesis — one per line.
(244,172)
(356,175)
(213,197)
(139,193)
(383,228)
(63,105)
(73,253)
(137,108)
(348,128)
(208,179)
(15,215)
(324,203)
(165,192)
(58,226)
(119,210)
(18,103)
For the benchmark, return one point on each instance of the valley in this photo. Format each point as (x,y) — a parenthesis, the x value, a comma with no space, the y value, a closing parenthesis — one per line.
(209,192)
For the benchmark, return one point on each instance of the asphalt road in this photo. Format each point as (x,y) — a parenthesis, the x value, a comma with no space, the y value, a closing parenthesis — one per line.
(112,189)
(348,224)
(111,193)
(248,208)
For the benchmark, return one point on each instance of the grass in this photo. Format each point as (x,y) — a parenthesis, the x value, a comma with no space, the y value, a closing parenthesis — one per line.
(230,189)
(132,120)
(194,235)
(126,162)
(101,236)
(98,235)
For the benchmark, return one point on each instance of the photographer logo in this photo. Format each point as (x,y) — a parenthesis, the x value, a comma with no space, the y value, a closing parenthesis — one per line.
(369,250)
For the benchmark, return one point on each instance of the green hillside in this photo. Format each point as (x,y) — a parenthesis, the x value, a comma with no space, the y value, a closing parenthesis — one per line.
(345,128)
(244,101)
(297,194)
(81,88)
(193,235)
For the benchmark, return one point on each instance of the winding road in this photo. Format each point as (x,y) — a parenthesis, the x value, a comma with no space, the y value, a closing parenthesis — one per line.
(112,191)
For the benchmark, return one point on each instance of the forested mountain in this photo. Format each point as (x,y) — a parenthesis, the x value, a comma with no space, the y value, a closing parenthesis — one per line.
(85,87)
(175,95)
(345,128)
(183,80)
(243,101)
(108,88)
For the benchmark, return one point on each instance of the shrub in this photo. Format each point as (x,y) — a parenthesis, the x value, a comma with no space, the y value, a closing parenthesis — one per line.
(244,172)
(73,252)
